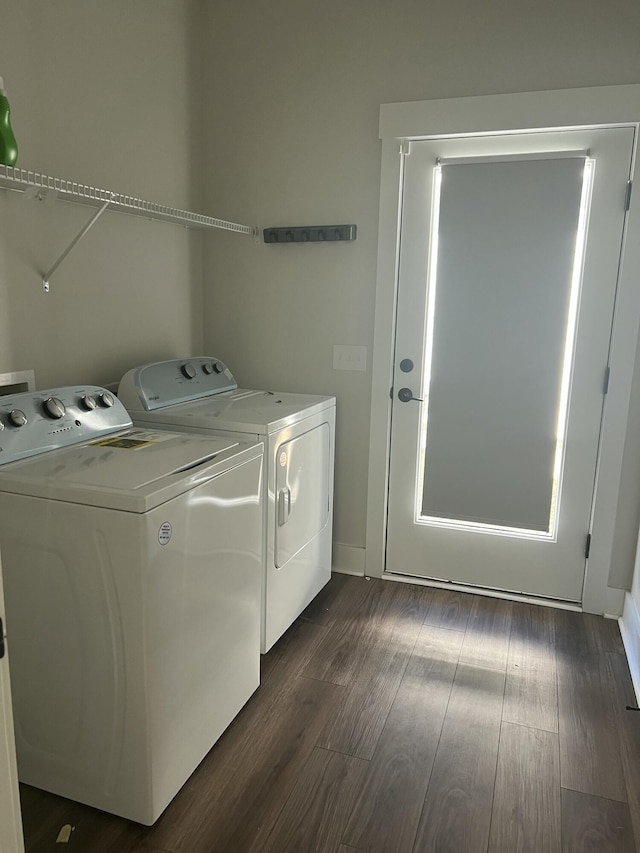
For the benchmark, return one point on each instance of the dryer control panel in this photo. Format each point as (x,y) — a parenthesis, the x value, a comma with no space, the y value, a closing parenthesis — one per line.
(166,383)
(37,421)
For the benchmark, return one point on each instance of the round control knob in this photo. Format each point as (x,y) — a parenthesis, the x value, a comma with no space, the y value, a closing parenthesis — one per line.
(218,367)
(105,399)
(188,370)
(88,403)
(208,367)
(54,408)
(17,417)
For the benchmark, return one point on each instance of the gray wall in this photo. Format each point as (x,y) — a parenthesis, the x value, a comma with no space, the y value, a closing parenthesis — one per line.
(291,102)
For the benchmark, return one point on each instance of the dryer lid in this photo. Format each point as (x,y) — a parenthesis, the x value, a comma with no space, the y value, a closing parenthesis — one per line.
(242,410)
(202,393)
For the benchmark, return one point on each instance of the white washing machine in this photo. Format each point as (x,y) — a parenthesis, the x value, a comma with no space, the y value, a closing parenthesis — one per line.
(298,430)
(132,576)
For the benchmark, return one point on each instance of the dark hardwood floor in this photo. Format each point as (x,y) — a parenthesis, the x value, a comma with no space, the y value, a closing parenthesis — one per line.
(393,717)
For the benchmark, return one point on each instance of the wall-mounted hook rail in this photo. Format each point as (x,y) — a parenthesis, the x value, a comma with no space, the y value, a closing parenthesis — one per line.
(310,234)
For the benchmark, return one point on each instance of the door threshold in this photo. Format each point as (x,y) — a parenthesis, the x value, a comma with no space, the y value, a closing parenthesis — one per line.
(509,595)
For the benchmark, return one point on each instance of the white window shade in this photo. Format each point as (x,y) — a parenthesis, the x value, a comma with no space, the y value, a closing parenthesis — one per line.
(502,309)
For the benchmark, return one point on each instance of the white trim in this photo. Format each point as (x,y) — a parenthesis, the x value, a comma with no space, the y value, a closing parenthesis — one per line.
(515,158)
(348,560)
(615,603)
(563,108)
(630,630)
(382,357)
(482,590)
(614,422)
(559,108)
(11,837)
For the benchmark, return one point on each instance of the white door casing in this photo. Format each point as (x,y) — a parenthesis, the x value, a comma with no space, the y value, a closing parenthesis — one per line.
(562,109)
(11,840)
(509,214)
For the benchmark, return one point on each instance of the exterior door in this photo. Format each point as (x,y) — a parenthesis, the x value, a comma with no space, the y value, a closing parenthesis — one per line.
(10,825)
(509,253)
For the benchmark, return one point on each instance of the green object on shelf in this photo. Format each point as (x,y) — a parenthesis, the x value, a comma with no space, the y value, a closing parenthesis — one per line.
(8,144)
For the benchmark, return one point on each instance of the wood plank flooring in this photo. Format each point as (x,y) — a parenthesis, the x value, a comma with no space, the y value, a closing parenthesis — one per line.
(394,717)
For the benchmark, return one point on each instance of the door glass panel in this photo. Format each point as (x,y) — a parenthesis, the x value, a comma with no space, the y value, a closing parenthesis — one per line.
(506,257)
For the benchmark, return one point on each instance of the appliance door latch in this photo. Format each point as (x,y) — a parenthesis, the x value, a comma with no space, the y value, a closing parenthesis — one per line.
(284,506)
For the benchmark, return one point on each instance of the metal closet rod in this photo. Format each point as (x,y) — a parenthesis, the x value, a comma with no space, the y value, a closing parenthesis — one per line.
(37,185)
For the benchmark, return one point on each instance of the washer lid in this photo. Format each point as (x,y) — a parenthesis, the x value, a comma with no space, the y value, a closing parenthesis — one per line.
(253,412)
(134,470)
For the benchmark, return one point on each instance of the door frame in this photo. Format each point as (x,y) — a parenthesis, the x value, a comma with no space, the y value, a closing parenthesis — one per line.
(565,109)
(11,836)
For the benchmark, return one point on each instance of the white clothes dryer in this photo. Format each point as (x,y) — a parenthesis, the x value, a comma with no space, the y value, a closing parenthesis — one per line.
(298,431)
(132,582)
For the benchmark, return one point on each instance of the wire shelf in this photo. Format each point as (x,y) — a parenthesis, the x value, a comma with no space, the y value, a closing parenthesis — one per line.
(27,181)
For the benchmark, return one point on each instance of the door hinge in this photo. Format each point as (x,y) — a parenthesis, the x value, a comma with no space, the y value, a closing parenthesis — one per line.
(1,640)
(627,195)
(607,374)
(405,146)
(587,546)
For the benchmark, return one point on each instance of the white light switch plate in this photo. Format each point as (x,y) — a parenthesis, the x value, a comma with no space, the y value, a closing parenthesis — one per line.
(349,357)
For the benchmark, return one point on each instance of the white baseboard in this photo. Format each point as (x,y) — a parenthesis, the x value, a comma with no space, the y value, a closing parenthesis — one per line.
(615,603)
(630,630)
(347,560)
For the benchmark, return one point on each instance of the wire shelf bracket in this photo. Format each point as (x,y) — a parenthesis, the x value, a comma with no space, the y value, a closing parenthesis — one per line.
(44,187)
(76,239)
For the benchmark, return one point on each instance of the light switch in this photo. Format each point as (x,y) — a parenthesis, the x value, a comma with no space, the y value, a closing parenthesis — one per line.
(349,357)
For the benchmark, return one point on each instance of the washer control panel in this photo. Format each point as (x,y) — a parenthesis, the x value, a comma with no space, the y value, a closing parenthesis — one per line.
(166,383)
(36,421)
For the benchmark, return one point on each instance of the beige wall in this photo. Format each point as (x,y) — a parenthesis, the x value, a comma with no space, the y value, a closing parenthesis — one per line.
(263,113)
(291,102)
(102,93)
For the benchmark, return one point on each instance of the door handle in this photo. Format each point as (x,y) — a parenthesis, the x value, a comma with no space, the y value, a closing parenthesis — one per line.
(284,506)
(405,395)
(1,640)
